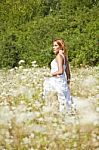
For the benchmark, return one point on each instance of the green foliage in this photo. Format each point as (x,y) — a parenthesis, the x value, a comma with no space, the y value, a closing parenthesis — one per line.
(28,27)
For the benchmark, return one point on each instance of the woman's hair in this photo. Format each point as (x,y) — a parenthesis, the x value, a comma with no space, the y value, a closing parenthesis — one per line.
(61,44)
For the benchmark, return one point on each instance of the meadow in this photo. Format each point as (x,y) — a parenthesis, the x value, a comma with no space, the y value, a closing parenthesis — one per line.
(28,123)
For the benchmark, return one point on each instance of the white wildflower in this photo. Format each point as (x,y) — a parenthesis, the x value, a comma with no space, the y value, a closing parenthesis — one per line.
(97,109)
(24,116)
(97,137)
(21,62)
(12,69)
(21,108)
(34,64)
(36,128)
(75,144)
(96,123)
(31,135)
(47,109)
(5,115)
(8,141)
(31,149)
(20,67)
(26,140)
(16,68)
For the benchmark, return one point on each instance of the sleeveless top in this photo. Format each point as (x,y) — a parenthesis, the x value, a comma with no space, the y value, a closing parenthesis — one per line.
(54,66)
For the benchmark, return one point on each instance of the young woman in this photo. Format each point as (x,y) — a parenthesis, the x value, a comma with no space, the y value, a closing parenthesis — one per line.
(60,76)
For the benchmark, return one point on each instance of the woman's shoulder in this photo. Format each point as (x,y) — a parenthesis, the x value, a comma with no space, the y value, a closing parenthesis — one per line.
(62,56)
(59,56)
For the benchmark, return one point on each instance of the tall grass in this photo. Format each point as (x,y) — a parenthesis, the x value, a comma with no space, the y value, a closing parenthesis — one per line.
(27,123)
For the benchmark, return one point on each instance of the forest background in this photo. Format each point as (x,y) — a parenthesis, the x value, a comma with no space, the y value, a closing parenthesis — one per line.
(29,26)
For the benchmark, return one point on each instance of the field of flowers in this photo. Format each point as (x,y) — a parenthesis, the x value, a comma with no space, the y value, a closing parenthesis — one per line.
(27,122)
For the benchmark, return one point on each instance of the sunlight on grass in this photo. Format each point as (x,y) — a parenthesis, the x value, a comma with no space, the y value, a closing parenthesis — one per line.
(85,82)
(29,122)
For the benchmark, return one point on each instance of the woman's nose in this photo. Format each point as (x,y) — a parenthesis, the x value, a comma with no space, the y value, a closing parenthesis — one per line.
(53,47)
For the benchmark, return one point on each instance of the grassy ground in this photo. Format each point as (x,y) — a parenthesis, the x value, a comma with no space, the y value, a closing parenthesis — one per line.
(26,123)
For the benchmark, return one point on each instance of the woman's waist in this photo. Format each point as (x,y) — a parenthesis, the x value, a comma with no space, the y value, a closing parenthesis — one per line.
(59,77)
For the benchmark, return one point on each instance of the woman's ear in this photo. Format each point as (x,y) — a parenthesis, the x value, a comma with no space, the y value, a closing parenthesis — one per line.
(61,51)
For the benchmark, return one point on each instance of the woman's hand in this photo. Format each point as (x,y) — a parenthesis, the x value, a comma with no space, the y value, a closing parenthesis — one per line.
(48,74)
(57,75)
(68,81)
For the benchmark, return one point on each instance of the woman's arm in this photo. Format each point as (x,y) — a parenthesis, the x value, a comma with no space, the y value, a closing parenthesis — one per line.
(59,60)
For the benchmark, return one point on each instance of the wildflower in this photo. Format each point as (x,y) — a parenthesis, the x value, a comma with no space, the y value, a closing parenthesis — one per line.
(36,128)
(32,135)
(26,140)
(97,137)
(95,123)
(12,69)
(21,62)
(97,109)
(24,116)
(75,145)
(34,64)
(31,149)
(16,68)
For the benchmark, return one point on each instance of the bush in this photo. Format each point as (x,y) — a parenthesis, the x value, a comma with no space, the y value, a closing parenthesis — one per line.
(27,30)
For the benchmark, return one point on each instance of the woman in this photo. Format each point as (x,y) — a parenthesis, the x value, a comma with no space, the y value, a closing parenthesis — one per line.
(60,76)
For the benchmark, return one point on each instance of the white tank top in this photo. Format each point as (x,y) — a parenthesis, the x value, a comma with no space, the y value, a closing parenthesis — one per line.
(54,66)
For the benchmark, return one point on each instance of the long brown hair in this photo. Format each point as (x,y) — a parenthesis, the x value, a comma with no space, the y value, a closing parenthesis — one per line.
(61,44)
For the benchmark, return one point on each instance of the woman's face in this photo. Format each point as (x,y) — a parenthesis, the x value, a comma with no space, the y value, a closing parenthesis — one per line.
(56,48)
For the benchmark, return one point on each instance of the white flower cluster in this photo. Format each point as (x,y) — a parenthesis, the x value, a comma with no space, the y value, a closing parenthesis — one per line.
(21,62)
(26,122)
(34,64)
